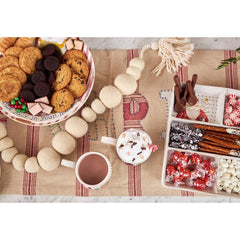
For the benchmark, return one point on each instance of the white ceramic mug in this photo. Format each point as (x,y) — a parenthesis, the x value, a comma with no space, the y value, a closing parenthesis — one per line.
(76,165)
(136,146)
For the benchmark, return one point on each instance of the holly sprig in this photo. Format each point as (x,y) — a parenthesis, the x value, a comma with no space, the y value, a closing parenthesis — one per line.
(226,62)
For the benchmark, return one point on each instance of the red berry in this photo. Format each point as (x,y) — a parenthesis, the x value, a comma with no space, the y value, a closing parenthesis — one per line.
(195,158)
(19,106)
(171,170)
(25,102)
(16,103)
(199,184)
(186,173)
(11,105)
(22,100)
(15,106)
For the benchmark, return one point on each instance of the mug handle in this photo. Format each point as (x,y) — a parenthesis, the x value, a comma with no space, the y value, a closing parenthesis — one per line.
(108,140)
(68,163)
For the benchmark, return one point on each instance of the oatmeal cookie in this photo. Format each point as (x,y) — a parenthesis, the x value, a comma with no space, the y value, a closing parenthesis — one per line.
(28,58)
(15,71)
(13,51)
(78,66)
(8,61)
(6,42)
(63,77)
(77,86)
(62,100)
(24,42)
(74,53)
(10,87)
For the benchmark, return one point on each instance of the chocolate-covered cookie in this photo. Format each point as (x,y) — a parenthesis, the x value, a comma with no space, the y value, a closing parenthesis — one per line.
(28,86)
(39,65)
(51,77)
(27,95)
(38,76)
(48,50)
(51,63)
(41,89)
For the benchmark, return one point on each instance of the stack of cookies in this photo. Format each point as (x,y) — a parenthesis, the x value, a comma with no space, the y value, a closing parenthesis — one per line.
(30,73)
(71,78)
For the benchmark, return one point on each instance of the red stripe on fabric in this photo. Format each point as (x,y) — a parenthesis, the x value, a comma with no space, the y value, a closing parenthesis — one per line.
(234,71)
(26,174)
(227,78)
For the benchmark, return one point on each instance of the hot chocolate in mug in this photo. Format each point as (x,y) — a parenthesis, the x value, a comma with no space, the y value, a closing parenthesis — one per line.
(92,169)
(133,146)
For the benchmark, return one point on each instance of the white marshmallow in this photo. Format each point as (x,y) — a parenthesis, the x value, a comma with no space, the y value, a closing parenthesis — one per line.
(138,63)
(135,72)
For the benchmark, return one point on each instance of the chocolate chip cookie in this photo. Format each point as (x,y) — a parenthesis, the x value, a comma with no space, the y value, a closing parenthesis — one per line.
(15,71)
(62,100)
(10,87)
(78,66)
(63,77)
(77,86)
(74,53)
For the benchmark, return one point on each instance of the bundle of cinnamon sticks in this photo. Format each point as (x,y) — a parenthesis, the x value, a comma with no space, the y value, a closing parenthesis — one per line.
(218,140)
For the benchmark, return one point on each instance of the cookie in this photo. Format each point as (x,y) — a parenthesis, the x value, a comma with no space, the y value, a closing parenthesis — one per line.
(24,42)
(8,154)
(62,100)
(6,143)
(28,86)
(15,71)
(97,106)
(63,77)
(41,89)
(110,96)
(10,87)
(78,66)
(74,53)
(6,42)
(13,51)
(27,95)
(48,50)
(28,58)
(38,76)
(138,63)
(134,72)
(51,77)
(39,65)
(19,161)
(77,86)
(51,63)
(8,61)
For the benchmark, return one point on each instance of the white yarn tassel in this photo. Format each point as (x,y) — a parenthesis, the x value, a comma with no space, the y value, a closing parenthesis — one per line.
(174,52)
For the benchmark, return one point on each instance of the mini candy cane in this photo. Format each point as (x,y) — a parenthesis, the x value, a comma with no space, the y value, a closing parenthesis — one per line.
(153,148)
(232,96)
(228,122)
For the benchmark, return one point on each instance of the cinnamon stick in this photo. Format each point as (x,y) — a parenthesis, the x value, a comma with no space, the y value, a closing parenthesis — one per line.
(222,135)
(202,149)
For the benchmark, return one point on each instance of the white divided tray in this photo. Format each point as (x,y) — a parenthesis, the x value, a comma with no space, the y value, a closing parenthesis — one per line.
(213,100)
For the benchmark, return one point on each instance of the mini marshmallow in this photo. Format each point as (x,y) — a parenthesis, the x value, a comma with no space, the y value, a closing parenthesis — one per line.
(42,100)
(219,188)
(228,190)
(69,44)
(138,63)
(231,165)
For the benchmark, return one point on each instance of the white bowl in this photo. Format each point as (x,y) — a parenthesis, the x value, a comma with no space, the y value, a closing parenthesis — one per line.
(44,120)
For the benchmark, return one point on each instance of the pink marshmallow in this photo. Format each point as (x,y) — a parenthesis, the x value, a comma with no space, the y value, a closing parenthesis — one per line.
(69,44)
(46,108)
(35,109)
(42,100)
(78,44)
